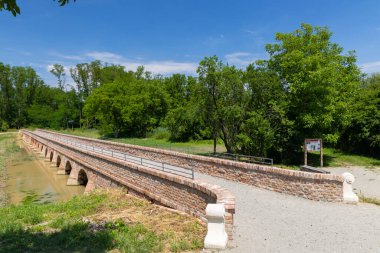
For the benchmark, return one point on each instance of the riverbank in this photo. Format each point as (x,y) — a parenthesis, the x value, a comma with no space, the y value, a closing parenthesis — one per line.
(103,221)
(7,148)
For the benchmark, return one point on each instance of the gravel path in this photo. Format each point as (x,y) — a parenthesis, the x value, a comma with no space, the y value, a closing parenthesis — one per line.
(367,180)
(267,221)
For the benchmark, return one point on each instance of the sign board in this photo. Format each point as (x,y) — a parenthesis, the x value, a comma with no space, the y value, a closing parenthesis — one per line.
(313,144)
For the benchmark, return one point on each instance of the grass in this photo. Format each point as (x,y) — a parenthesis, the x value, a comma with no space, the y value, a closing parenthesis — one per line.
(192,147)
(8,147)
(369,200)
(102,221)
(336,158)
(89,133)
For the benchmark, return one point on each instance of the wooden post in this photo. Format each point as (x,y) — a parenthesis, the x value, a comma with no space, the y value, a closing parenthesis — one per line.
(305,150)
(321,153)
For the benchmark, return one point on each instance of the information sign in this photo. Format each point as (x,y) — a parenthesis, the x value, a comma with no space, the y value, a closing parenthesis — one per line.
(313,145)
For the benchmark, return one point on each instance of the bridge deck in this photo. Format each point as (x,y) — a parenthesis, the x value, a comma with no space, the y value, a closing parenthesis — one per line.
(266,221)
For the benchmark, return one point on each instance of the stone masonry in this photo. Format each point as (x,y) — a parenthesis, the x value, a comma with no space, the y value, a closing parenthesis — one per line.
(190,196)
(320,187)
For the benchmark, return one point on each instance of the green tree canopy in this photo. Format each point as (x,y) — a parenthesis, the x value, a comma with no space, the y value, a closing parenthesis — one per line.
(319,78)
(12,6)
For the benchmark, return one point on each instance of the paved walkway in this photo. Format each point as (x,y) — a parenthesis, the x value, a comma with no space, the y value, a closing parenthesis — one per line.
(367,180)
(267,221)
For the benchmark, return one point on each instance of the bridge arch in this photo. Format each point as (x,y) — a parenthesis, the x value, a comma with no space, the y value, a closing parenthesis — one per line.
(58,160)
(46,152)
(42,147)
(82,177)
(68,168)
(51,156)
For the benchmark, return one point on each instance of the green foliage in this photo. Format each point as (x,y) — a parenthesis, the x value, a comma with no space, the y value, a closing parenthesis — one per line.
(3,126)
(160,133)
(129,105)
(319,81)
(363,134)
(12,6)
(223,99)
(257,135)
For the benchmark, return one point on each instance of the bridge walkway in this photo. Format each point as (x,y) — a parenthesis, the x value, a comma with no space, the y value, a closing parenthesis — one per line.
(266,221)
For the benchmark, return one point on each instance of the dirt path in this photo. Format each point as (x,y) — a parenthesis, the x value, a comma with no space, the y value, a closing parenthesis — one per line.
(367,180)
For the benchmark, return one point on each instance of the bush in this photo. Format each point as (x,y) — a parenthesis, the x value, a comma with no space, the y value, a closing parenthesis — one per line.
(3,126)
(160,133)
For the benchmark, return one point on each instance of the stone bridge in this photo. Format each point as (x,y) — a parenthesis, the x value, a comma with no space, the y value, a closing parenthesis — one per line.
(81,159)
(94,170)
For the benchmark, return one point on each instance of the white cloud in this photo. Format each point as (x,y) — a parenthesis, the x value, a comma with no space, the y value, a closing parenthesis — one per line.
(67,57)
(156,67)
(241,58)
(370,67)
(214,41)
(104,56)
(253,32)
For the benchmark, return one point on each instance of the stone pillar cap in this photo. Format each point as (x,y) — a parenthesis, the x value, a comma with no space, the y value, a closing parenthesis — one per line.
(216,210)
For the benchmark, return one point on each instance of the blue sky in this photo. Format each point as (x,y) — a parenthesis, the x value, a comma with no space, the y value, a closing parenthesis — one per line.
(174,35)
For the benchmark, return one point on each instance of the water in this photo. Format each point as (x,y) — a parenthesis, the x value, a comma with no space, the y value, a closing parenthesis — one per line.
(31,178)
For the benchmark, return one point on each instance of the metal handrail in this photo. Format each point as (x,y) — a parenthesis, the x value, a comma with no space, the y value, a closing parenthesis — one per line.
(250,159)
(188,173)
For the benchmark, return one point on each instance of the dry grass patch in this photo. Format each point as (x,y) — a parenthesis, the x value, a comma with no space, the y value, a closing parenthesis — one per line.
(178,231)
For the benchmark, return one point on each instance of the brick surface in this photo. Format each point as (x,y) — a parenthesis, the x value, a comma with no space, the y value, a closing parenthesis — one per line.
(190,196)
(314,186)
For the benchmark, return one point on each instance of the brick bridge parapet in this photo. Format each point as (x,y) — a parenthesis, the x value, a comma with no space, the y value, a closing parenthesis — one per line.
(320,187)
(99,171)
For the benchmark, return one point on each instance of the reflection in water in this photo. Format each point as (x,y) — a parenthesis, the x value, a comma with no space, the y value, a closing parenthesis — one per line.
(33,179)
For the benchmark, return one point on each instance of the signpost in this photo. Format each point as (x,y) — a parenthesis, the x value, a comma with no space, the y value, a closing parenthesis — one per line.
(313,145)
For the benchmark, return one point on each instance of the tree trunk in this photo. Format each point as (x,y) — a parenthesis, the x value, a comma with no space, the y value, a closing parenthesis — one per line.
(214,143)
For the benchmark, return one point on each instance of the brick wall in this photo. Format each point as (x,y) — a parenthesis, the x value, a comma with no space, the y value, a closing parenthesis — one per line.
(190,196)
(324,187)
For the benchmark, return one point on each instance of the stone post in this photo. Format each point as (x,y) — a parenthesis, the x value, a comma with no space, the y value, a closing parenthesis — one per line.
(216,237)
(348,195)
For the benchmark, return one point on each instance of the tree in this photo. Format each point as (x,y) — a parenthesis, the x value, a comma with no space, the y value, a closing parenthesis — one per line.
(130,105)
(59,72)
(12,6)
(363,134)
(266,128)
(87,77)
(319,80)
(224,100)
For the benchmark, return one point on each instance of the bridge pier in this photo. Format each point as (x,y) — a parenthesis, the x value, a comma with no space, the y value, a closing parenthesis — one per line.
(54,159)
(61,166)
(73,178)
(90,186)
